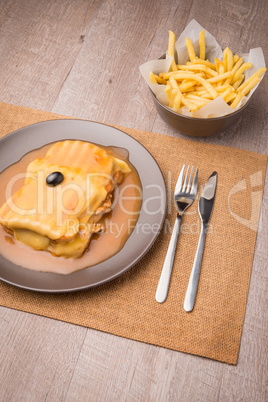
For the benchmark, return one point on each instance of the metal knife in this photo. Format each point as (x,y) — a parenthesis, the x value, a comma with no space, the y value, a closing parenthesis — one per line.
(205,208)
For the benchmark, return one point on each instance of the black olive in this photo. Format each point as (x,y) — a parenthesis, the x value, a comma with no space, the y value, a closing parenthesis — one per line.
(55,178)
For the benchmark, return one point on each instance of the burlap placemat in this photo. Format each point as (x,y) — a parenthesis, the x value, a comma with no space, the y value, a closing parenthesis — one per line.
(127,306)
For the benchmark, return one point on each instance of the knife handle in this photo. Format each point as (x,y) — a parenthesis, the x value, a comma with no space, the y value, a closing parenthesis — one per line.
(163,285)
(194,278)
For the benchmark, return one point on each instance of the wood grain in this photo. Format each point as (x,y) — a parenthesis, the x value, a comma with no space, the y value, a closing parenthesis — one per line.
(81,58)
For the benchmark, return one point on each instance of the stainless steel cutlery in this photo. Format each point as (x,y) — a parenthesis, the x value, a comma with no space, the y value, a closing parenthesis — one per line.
(205,207)
(184,196)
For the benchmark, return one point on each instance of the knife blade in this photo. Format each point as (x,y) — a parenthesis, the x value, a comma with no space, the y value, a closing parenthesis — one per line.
(205,207)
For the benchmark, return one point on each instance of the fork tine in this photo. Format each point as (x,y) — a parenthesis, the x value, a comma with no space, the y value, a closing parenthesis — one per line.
(179,182)
(189,182)
(194,186)
(185,181)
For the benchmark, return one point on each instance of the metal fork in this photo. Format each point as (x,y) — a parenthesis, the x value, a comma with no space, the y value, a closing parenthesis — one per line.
(184,197)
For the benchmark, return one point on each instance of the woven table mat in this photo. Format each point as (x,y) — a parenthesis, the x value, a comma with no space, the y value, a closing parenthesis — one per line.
(126,306)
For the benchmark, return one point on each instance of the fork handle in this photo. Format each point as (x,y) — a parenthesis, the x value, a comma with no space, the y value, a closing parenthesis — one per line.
(163,285)
(194,278)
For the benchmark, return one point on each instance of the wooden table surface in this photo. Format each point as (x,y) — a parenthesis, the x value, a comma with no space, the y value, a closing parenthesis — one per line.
(80,58)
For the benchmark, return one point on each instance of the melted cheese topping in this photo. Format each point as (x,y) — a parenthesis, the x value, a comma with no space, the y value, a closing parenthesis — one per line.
(61,219)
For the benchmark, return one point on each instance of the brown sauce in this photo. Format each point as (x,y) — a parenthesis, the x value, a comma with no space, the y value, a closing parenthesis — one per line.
(118,224)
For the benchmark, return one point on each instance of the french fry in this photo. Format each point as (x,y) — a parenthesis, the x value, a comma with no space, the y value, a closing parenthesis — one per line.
(197,98)
(173,83)
(236,57)
(171,50)
(206,96)
(220,77)
(227,92)
(230,97)
(177,100)
(185,75)
(224,59)
(257,74)
(199,81)
(229,59)
(166,76)
(160,80)
(237,83)
(234,70)
(200,88)
(155,79)
(201,74)
(250,85)
(185,86)
(198,67)
(168,91)
(240,71)
(202,45)
(202,93)
(152,78)
(221,68)
(222,88)
(208,86)
(236,100)
(174,93)
(190,105)
(221,71)
(217,64)
(190,49)
(197,102)
(205,62)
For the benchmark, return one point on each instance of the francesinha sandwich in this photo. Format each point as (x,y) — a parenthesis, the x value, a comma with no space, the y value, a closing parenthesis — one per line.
(63,198)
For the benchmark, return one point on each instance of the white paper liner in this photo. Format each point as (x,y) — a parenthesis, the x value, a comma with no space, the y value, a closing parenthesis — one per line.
(217,107)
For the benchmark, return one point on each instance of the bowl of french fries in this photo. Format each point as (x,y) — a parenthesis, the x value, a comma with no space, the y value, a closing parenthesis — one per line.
(199,89)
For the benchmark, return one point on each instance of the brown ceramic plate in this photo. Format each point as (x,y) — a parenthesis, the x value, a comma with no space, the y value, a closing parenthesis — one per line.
(18,143)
